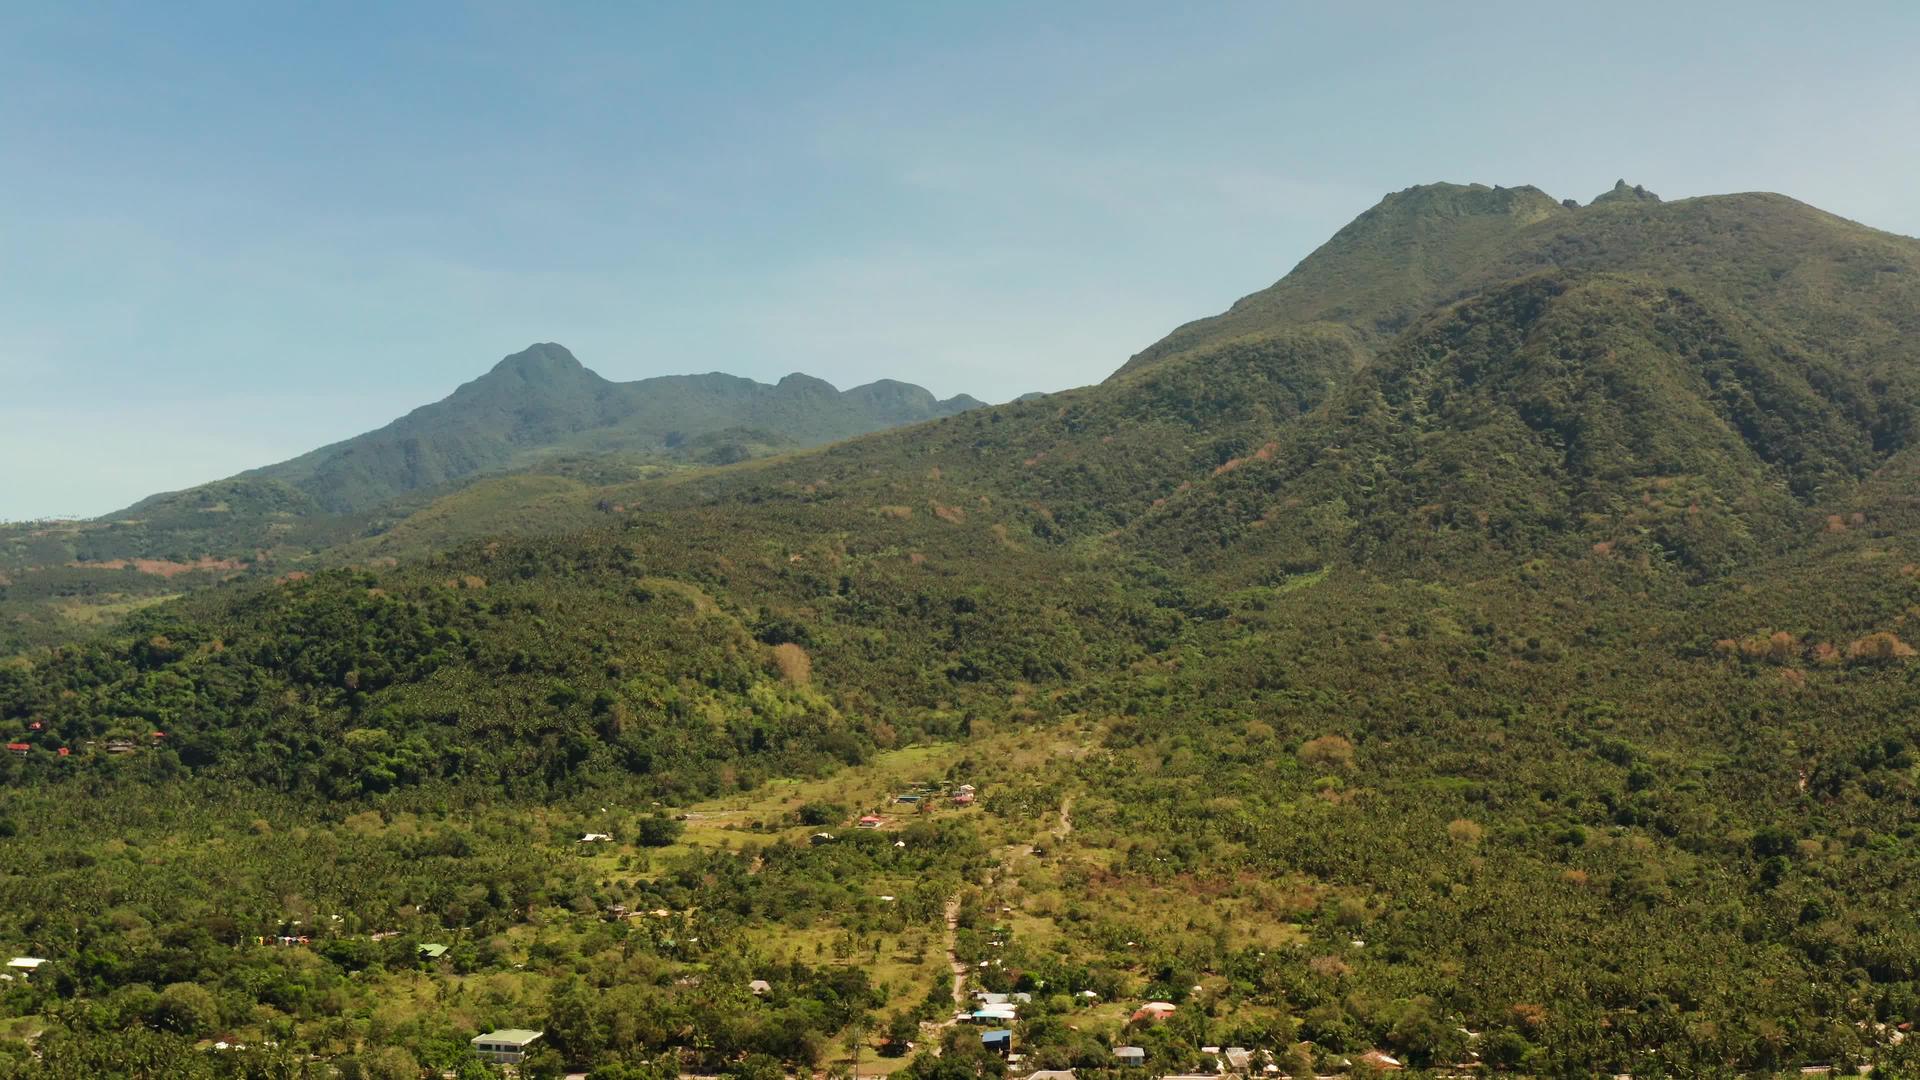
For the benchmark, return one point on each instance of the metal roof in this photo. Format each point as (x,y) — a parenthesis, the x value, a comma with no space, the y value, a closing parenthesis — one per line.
(521,1036)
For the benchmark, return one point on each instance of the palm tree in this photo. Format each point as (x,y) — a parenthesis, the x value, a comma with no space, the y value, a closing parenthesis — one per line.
(856,1038)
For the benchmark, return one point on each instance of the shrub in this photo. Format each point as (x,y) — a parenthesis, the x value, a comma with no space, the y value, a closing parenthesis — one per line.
(1327,752)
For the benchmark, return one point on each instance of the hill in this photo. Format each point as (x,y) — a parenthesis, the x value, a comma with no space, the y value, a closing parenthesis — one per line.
(1508,644)
(543,401)
(1835,283)
(538,421)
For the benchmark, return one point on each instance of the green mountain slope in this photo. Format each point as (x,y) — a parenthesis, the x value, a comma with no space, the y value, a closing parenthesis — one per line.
(1415,248)
(543,401)
(1502,628)
(1840,286)
(537,420)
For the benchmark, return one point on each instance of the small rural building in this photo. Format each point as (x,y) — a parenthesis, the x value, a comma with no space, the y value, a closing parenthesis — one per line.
(433,950)
(1381,1060)
(987,997)
(997,1011)
(820,838)
(872,821)
(1129,1055)
(119,746)
(1239,1059)
(18,749)
(26,965)
(1154,1011)
(508,1046)
(596,838)
(998,1041)
(1051,1074)
(963,795)
(760,986)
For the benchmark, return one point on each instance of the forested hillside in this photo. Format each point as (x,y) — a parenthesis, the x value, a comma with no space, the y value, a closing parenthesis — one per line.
(537,424)
(542,400)
(1504,626)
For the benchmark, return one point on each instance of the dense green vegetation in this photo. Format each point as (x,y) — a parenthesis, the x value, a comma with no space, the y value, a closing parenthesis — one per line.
(1502,626)
(542,400)
(499,450)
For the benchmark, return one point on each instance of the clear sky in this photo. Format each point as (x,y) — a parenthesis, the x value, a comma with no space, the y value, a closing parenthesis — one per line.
(232,232)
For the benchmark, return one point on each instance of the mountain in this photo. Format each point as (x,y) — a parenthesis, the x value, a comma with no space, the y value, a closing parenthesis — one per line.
(1778,260)
(542,401)
(1495,642)
(537,424)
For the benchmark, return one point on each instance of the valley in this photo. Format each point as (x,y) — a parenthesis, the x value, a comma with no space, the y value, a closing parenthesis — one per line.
(1488,650)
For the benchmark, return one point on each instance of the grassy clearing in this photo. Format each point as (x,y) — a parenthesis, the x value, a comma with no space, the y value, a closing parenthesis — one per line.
(108,609)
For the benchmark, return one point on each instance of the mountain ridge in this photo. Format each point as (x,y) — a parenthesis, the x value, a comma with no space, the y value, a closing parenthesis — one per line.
(544,398)
(1436,243)
(1510,645)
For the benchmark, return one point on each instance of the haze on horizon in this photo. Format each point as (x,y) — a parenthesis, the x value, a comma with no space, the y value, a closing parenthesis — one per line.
(236,234)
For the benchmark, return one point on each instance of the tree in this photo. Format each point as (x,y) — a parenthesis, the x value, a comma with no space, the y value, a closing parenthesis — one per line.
(659,830)
(573,1025)
(543,1063)
(855,1037)
(902,1030)
(187,1009)
(1295,1061)
(1327,752)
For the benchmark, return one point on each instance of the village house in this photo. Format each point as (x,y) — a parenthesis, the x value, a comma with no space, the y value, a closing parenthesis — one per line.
(963,795)
(1381,1060)
(1154,1011)
(433,950)
(508,1046)
(760,986)
(872,821)
(18,749)
(596,838)
(1051,1074)
(1129,1055)
(26,965)
(998,1041)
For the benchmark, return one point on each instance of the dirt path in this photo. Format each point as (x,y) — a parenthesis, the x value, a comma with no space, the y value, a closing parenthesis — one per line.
(953,957)
(958,969)
(1066,819)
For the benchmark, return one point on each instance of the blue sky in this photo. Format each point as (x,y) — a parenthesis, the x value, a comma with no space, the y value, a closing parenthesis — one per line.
(232,232)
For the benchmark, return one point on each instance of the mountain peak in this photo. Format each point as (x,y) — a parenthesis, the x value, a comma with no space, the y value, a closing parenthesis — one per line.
(540,362)
(1378,271)
(1621,192)
(1445,200)
(802,383)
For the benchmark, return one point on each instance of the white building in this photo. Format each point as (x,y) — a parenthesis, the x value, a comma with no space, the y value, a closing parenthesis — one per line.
(508,1046)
